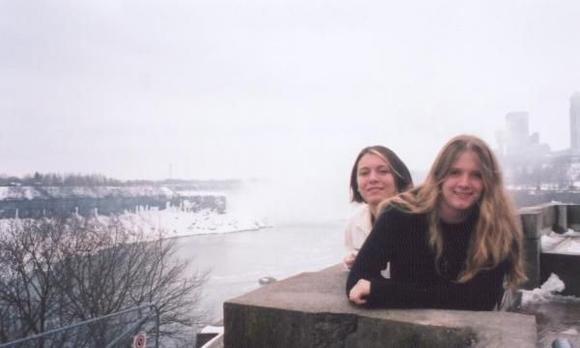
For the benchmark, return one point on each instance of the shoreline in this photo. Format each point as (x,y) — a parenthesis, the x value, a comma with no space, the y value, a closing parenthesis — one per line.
(218,232)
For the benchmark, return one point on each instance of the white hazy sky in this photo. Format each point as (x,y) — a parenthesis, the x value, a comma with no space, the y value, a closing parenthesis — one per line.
(273,89)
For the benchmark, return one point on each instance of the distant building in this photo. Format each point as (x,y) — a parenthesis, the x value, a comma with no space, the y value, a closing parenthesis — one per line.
(527,161)
(517,142)
(521,152)
(575,122)
(518,131)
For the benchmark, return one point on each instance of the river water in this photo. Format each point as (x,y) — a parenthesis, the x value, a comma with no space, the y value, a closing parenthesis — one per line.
(237,261)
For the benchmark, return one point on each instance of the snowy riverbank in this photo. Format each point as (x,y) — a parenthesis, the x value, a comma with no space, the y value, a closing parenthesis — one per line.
(174,223)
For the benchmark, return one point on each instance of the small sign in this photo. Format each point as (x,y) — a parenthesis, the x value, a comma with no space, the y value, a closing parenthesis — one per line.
(140,340)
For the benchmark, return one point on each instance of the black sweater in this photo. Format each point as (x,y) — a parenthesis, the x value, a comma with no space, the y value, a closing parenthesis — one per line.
(401,238)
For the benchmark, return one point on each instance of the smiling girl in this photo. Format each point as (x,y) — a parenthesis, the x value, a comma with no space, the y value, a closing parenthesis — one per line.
(377,174)
(453,242)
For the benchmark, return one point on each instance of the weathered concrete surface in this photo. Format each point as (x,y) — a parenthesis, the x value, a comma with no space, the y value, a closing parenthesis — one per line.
(573,216)
(542,220)
(311,310)
(537,221)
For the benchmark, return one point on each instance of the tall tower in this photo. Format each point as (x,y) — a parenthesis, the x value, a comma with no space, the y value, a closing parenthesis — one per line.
(575,121)
(518,132)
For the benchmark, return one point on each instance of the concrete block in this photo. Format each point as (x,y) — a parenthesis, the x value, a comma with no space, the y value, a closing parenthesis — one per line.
(311,310)
(532,222)
(532,263)
(573,212)
(561,224)
(549,216)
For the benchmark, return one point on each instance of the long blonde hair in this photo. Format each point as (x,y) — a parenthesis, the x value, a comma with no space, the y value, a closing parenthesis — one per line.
(498,234)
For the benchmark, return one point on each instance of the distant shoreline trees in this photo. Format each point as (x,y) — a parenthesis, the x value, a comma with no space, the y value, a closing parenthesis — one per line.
(56,179)
(59,179)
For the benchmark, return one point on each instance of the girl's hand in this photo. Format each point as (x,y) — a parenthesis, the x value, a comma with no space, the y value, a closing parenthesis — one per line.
(359,292)
(349,260)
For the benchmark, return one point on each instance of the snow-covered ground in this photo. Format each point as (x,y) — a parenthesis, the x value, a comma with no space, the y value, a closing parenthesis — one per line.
(565,243)
(549,291)
(174,222)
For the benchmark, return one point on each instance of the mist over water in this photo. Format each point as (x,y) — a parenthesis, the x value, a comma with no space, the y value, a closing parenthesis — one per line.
(293,200)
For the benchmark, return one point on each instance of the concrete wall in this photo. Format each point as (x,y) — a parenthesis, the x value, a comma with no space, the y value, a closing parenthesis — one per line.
(541,220)
(311,310)
(537,221)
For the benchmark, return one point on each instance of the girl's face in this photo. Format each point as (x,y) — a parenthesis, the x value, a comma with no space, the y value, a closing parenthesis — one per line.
(461,188)
(375,180)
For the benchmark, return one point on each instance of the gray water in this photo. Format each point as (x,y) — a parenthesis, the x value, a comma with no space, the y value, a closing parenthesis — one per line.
(237,261)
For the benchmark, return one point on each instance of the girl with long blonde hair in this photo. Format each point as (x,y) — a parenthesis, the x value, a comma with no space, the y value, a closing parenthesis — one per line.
(454,242)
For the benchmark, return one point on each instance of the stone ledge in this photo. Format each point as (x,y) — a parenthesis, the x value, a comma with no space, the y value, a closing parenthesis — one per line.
(311,310)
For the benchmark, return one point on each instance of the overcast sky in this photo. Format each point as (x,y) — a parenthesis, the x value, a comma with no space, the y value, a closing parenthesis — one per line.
(273,89)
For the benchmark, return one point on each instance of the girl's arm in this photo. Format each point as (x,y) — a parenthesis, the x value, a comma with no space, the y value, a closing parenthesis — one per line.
(374,253)
(480,293)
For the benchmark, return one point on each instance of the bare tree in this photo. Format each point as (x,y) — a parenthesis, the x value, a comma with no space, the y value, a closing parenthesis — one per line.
(26,284)
(58,271)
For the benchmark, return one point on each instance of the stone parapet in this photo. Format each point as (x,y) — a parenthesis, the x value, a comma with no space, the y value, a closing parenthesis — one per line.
(542,220)
(311,310)
(573,217)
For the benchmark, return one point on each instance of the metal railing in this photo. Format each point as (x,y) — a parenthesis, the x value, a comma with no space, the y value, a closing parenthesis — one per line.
(153,310)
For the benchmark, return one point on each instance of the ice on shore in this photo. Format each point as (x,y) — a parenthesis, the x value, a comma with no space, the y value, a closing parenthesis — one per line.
(546,292)
(565,243)
(174,222)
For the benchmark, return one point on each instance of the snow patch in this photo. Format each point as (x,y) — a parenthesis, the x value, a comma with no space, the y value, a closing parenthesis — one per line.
(174,222)
(546,292)
(565,243)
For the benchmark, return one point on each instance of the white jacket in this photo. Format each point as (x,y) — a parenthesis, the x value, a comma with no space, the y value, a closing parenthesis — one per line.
(357,229)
